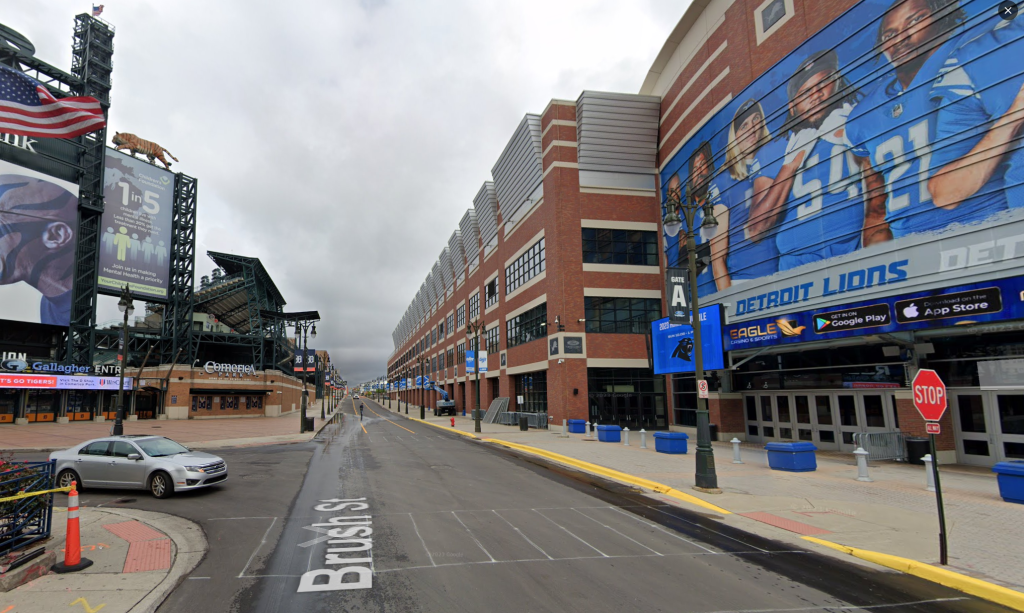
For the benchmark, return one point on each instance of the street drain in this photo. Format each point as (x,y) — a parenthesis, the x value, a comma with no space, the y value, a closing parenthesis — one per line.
(124,500)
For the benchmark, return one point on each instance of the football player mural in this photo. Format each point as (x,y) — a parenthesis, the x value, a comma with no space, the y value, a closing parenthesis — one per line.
(896,124)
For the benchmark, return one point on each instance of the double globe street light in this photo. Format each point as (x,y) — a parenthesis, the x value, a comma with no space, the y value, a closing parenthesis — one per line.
(126,306)
(705,478)
(473,334)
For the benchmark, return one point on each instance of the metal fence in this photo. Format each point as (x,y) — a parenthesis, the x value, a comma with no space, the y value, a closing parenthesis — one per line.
(535,420)
(27,519)
(882,445)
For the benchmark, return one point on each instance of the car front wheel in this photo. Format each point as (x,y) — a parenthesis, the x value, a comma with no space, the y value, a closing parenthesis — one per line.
(160,485)
(66,476)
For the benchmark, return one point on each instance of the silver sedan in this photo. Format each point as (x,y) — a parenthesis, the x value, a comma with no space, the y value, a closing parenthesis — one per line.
(154,463)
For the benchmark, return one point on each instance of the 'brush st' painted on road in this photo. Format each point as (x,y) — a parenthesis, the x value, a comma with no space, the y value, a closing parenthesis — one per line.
(349,546)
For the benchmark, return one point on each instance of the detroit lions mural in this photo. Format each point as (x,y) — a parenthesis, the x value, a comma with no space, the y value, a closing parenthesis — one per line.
(863,161)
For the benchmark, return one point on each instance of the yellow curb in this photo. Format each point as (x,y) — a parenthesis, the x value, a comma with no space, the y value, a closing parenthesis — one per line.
(445,428)
(661,488)
(976,587)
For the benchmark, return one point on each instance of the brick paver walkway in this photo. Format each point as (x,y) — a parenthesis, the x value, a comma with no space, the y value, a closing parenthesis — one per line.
(894,514)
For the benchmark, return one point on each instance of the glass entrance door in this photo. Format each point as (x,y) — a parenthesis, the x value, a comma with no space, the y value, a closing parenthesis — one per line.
(827,419)
(989,426)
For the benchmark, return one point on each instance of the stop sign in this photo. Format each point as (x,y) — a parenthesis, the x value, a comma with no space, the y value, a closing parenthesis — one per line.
(929,395)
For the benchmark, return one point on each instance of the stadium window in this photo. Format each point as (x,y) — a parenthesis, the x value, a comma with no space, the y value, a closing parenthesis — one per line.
(629,247)
(450,320)
(460,353)
(771,15)
(621,315)
(460,315)
(527,266)
(491,293)
(474,306)
(451,357)
(493,337)
(527,326)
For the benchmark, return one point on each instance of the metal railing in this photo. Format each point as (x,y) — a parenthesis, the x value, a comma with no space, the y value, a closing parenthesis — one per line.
(882,445)
(535,420)
(26,504)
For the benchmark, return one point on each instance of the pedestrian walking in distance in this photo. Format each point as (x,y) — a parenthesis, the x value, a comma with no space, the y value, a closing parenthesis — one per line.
(360,411)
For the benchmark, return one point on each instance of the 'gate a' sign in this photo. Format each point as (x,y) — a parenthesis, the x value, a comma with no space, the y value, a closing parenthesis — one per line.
(677,292)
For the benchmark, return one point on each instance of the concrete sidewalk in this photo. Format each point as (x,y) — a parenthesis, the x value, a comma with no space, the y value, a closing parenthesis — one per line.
(138,557)
(196,433)
(894,514)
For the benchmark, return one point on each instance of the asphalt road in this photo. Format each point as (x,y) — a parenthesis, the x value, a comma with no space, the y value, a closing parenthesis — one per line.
(450,524)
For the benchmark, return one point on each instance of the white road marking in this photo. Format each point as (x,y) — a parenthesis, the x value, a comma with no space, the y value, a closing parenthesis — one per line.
(421,540)
(656,526)
(731,538)
(616,531)
(570,533)
(524,536)
(841,607)
(263,541)
(473,536)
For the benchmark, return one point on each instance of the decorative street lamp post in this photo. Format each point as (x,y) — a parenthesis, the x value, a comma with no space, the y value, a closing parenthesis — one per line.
(125,306)
(705,477)
(302,328)
(423,362)
(473,334)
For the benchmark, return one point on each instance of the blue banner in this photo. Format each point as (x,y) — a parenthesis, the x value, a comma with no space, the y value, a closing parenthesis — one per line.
(470,361)
(987,301)
(673,344)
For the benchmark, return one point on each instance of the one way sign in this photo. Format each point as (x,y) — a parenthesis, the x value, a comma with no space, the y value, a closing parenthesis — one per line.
(677,289)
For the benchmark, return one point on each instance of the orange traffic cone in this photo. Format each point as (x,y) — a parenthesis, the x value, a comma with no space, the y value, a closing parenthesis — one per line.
(73,560)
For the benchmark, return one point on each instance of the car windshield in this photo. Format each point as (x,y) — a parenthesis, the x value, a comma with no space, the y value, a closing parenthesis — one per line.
(159,447)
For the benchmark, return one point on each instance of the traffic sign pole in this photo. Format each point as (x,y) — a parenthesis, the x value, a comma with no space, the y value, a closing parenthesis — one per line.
(930,401)
(943,549)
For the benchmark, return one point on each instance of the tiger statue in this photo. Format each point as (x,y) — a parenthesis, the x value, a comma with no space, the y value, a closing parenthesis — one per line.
(134,144)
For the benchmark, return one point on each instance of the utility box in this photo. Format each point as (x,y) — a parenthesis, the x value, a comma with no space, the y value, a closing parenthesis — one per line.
(671,442)
(792,457)
(609,434)
(577,426)
(1011,480)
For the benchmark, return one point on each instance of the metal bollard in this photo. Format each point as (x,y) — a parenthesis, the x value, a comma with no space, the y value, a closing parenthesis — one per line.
(625,436)
(736,459)
(643,439)
(594,435)
(862,465)
(586,430)
(929,476)
(565,429)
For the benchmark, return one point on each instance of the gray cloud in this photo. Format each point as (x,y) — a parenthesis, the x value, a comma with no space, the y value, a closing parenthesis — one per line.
(340,142)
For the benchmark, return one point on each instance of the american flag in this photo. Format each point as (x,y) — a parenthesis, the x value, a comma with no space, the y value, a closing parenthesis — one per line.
(28,109)
(97,9)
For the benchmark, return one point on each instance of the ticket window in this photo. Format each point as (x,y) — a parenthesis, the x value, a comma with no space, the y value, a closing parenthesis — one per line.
(9,400)
(42,405)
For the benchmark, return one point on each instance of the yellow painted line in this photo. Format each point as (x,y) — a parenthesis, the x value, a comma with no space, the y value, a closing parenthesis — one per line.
(969,585)
(446,428)
(661,488)
(363,427)
(389,420)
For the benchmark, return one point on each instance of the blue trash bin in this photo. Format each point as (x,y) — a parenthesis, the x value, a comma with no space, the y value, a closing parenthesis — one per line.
(670,442)
(609,434)
(577,426)
(1011,480)
(792,457)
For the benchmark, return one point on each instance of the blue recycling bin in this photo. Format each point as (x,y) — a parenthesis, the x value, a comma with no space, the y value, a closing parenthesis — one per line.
(609,434)
(670,442)
(577,426)
(1010,476)
(792,457)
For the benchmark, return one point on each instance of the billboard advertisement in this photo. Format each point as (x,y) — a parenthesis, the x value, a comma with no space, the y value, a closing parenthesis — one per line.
(672,344)
(64,382)
(136,227)
(38,237)
(880,157)
(972,303)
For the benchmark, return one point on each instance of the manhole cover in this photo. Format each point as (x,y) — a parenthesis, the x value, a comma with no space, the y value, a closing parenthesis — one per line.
(256,476)
(441,467)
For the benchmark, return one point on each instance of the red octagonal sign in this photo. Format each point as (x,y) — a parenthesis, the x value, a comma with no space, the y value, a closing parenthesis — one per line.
(929,395)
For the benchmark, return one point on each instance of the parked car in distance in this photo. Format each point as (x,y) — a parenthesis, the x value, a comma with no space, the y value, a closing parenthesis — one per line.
(144,462)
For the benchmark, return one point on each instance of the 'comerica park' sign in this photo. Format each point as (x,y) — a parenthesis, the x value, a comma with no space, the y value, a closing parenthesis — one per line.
(239,369)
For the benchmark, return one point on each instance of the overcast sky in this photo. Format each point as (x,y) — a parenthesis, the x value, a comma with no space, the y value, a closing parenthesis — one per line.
(341,141)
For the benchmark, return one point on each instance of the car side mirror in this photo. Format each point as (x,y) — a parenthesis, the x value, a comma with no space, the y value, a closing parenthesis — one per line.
(134,456)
